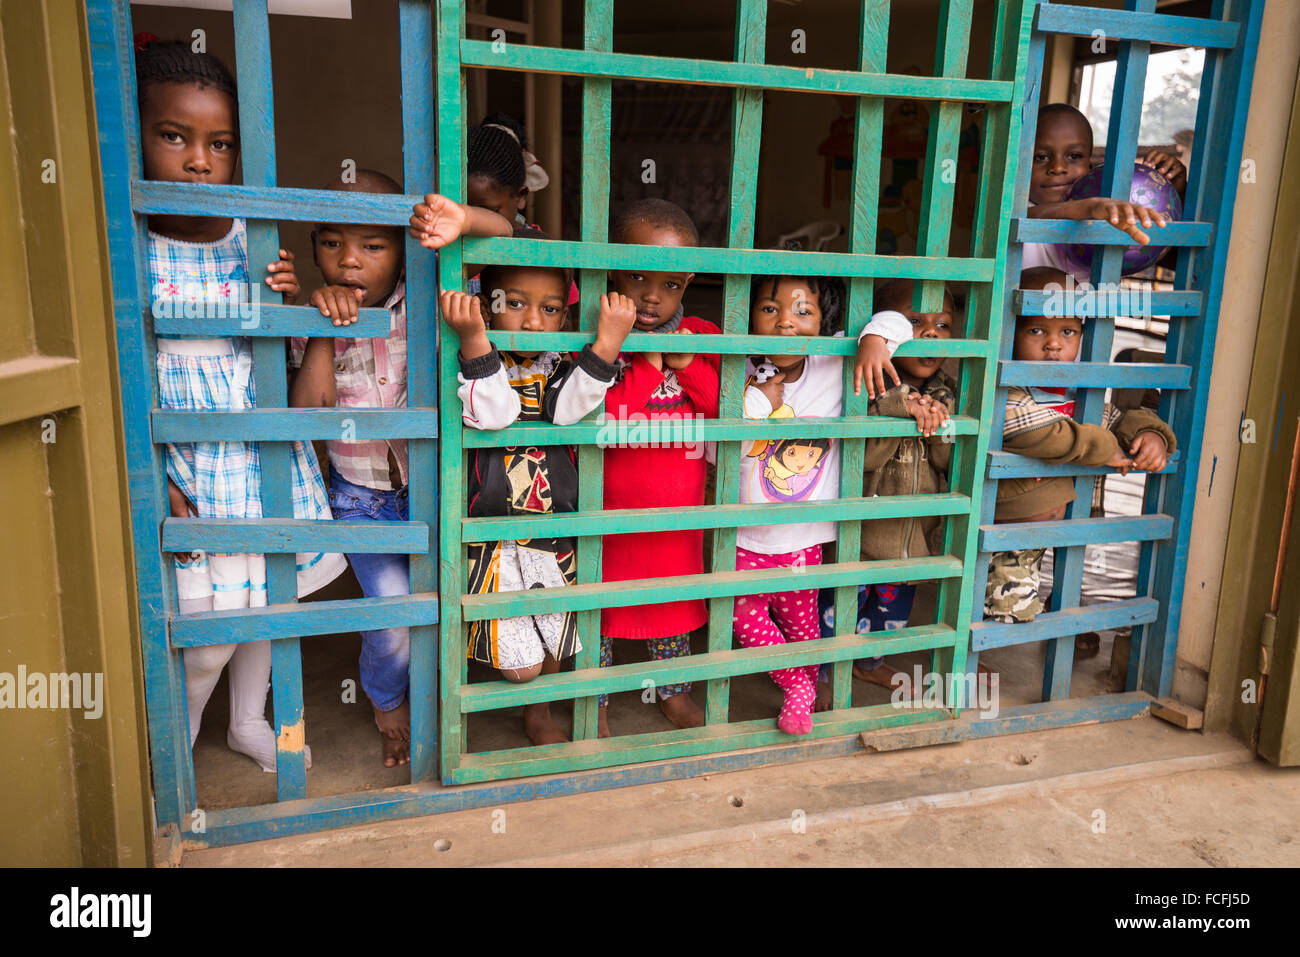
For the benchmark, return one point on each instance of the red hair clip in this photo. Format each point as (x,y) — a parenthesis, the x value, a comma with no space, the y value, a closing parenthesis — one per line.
(143,40)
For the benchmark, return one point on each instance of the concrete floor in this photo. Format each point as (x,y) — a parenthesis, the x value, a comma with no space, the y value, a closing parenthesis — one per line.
(1131,793)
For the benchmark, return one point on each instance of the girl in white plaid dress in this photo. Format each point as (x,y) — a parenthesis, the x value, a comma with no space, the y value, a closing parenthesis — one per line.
(198,266)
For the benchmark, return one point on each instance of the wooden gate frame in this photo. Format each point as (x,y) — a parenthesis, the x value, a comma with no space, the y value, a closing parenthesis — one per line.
(1011,98)
(127,199)
(1230,40)
(946,640)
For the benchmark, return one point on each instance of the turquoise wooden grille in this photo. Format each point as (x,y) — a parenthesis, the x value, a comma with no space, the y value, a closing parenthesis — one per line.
(946,640)
(1010,95)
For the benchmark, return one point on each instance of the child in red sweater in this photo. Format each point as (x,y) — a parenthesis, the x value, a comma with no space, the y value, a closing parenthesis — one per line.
(659,385)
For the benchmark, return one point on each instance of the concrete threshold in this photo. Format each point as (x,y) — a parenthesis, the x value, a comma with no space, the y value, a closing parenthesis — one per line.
(636,826)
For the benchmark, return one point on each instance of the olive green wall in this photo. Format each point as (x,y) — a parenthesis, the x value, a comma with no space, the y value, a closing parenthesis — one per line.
(76,789)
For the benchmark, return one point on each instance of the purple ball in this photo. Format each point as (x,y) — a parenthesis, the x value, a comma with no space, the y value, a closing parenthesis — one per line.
(1150,188)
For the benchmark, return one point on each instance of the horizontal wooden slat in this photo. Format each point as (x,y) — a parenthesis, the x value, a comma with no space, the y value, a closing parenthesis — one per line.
(307,205)
(1128,301)
(303,620)
(488,696)
(706,259)
(288,425)
(1005,465)
(1014,536)
(628,66)
(678,743)
(737,344)
(269,321)
(666,432)
(648,591)
(38,385)
(618,521)
(1095,375)
(1058,624)
(1130,25)
(1096,233)
(279,535)
(273,202)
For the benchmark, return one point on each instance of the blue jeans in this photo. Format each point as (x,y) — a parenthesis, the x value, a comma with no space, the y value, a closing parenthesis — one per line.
(385,652)
(880,608)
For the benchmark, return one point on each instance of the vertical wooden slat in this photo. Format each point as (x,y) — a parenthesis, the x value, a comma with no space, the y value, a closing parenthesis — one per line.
(937,200)
(451,552)
(113,63)
(746,139)
(418,172)
(940,167)
(1099,333)
(868,140)
(257,137)
(1027,52)
(598,34)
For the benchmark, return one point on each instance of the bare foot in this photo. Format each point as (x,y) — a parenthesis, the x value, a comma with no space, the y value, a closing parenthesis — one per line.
(883,675)
(823,699)
(395,729)
(682,711)
(540,726)
(1087,644)
(602,723)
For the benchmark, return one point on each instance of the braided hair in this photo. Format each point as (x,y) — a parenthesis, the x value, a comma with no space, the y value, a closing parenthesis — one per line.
(496,154)
(829,290)
(158,62)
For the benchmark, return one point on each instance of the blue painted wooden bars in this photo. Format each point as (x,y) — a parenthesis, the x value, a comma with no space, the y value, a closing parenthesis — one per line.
(268,321)
(304,620)
(419,174)
(257,143)
(1230,36)
(260,425)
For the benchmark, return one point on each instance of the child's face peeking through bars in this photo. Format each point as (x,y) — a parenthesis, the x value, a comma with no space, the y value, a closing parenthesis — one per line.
(524,299)
(1046,338)
(188,134)
(898,295)
(1062,154)
(788,307)
(655,294)
(366,258)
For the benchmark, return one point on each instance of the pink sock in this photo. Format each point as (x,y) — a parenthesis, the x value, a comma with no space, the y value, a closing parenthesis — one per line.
(796,712)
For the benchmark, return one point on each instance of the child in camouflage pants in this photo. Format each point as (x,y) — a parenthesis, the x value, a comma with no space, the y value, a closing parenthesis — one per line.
(1039,423)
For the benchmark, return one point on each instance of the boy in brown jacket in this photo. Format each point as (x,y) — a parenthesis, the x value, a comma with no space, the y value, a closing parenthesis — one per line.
(1039,424)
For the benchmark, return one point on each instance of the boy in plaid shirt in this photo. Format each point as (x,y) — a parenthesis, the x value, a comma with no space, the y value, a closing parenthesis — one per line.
(362,267)
(1039,423)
